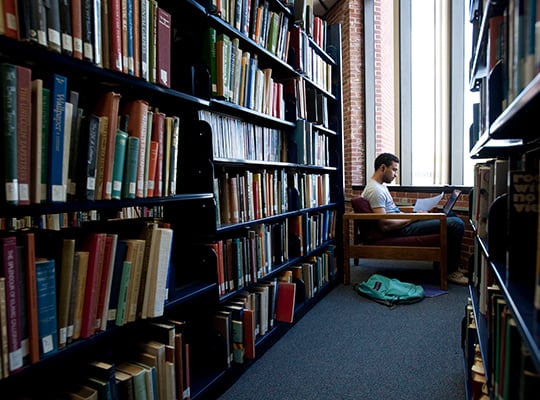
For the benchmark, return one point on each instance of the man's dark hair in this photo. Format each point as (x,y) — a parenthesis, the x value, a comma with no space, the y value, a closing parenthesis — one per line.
(386,159)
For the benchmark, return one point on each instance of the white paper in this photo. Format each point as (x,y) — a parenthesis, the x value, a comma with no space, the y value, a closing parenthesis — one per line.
(427,203)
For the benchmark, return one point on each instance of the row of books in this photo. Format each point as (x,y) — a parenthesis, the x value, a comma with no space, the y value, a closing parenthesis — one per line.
(255,19)
(306,60)
(158,367)
(255,310)
(513,58)
(131,36)
(244,260)
(511,372)
(55,149)
(89,285)
(234,138)
(236,76)
(76,219)
(307,145)
(303,102)
(251,195)
(505,210)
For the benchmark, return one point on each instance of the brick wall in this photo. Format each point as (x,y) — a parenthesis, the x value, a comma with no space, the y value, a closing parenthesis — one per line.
(350,14)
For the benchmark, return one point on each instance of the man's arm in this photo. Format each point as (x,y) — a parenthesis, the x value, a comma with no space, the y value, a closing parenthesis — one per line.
(390,224)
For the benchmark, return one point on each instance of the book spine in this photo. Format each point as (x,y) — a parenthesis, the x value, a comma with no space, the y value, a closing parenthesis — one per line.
(163,56)
(64,295)
(121,249)
(109,107)
(158,126)
(137,126)
(174,155)
(97,33)
(152,167)
(47,311)
(24,124)
(8,77)
(77,33)
(96,247)
(56,137)
(115,13)
(28,242)
(10,272)
(119,162)
(89,147)
(53,26)
(11,18)
(145,38)
(129,185)
(88,30)
(130,35)
(66,27)
(122,294)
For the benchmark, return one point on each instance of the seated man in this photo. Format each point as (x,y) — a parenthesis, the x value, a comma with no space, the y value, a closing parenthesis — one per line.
(380,199)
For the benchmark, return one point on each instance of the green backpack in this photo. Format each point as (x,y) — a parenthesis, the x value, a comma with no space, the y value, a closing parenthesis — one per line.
(390,291)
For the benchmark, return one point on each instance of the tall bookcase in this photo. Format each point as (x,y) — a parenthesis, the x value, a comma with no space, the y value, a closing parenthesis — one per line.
(500,330)
(231,225)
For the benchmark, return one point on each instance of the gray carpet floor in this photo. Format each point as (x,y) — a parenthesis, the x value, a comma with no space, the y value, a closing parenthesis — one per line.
(349,347)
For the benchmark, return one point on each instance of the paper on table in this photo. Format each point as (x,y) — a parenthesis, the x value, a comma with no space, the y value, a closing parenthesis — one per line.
(427,203)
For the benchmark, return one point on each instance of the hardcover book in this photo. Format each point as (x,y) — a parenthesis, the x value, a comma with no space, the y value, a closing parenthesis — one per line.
(76,26)
(58,88)
(64,295)
(108,106)
(119,163)
(129,184)
(8,79)
(163,49)
(47,309)
(137,111)
(24,124)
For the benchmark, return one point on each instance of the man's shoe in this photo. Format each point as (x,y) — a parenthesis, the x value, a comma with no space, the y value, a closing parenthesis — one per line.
(458,278)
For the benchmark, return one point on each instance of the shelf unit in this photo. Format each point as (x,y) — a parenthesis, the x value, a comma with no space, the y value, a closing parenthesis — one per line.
(193,293)
(505,142)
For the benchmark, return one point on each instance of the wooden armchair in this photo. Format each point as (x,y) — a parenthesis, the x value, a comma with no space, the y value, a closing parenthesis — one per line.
(368,241)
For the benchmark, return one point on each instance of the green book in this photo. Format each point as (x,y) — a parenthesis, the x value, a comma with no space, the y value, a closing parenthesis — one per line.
(119,163)
(122,295)
(8,79)
(209,52)
(129,184)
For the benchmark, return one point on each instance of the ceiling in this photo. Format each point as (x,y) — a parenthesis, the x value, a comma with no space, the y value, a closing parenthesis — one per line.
(320,7)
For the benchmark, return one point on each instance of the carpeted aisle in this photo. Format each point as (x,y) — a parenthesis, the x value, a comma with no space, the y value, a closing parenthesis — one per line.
(349,347)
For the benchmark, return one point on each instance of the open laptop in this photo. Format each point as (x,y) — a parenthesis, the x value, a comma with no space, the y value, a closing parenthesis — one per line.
(451,201)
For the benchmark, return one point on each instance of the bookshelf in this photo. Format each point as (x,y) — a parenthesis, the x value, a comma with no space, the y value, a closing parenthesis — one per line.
(232,220)
(502,317)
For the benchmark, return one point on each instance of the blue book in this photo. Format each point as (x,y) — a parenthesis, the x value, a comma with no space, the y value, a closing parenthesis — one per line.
(58,92)
(47,310)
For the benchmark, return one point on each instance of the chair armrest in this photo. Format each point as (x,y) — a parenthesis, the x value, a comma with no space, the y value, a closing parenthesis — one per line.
(411,216)
(406,209)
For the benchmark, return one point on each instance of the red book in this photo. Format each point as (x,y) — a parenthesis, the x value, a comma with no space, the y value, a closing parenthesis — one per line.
(249,334)
(163,48)
(115,13)
(76,28)
(28,242)
(106,281)
(10,273)
(152,167)
(158,129)
(285,301)
(96,247)
(137,127)
(11,19)
(24,124)
(108,106)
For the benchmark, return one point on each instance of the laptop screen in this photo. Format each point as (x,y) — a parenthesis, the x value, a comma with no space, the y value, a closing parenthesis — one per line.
(451,201)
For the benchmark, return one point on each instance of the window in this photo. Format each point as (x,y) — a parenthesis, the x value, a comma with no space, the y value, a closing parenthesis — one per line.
(430,83)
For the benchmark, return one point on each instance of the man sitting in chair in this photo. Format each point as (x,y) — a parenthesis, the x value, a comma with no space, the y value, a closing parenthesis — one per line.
(380,200)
